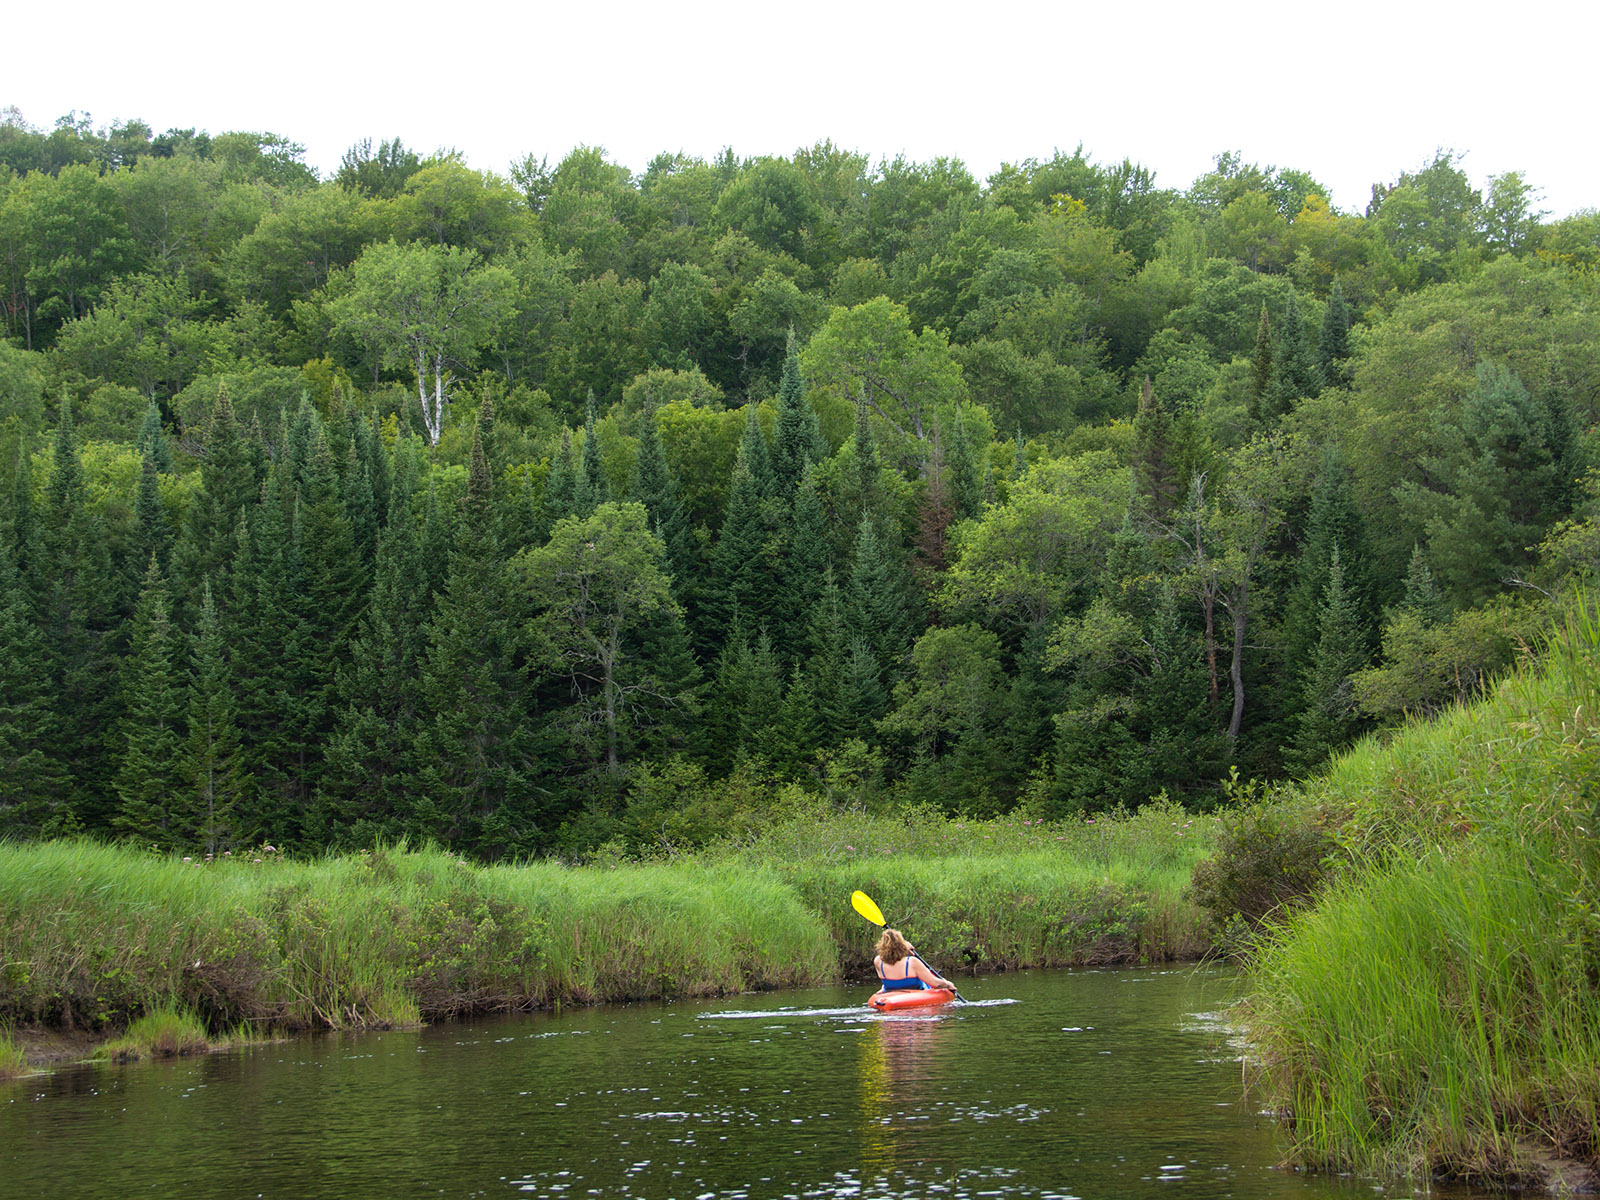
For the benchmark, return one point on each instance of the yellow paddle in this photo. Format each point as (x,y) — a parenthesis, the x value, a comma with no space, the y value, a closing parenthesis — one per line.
(863,904)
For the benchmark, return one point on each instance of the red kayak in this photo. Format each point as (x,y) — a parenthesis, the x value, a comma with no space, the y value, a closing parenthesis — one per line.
(910,998)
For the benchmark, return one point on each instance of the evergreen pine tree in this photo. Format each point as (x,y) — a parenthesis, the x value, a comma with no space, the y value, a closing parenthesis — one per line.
(799,731)
(472,767)
(863,696)
(149,777)
(1333,525)
(365,783)
(213,764)
(1155,472)
(966,476)
(655,486)
(593,489)
(1329,719)
(25,536)
(1019,461)
(869,487)
(152,441)
(33,782)
(1296,375)
(1262,371)
(153,535)
(1422,595)
(805,567)
(756,457)
(81,624)
(1333,342)
(561,485)
(828,643)
(876,607)
(228,485)
(797,438)
(740,578)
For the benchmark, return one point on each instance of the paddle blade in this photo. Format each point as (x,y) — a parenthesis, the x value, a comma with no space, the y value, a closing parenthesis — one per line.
(863,904)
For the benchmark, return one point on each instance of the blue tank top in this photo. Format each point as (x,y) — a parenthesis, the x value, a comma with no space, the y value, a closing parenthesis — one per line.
(903,983)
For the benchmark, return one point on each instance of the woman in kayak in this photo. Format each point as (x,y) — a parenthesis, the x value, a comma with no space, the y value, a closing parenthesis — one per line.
(899,967)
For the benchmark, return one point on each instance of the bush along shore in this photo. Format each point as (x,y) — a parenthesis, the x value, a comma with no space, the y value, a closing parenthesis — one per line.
(96,938)
(1432,1008)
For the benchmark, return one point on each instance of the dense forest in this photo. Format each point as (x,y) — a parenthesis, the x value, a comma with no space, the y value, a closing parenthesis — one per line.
(576,508)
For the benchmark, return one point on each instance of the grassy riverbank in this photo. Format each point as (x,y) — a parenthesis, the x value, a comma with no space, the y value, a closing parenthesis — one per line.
(95,937)
(1437,1010)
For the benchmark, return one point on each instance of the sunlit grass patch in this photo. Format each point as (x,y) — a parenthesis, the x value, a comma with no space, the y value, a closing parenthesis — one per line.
(13,1062)
(164,1033)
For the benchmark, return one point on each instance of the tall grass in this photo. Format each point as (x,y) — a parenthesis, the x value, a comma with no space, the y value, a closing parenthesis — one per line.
(97,936)
(1438,1009)
(13,1061)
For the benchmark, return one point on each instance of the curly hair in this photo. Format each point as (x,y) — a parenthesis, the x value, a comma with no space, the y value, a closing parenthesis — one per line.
(892,947)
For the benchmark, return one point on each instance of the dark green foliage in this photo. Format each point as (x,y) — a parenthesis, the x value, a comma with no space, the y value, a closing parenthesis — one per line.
(150,778)
(877,607)
(1333,341)
(1262,373)
(474,785)
(590,488)
(412,642)
(797,440)
(214,772)
(656,487)
(228,483)
(153,438)
(1329,719)
(33,783)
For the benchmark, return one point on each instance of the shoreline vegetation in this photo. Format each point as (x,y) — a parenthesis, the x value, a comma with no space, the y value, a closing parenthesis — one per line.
(98,938)
(1431,1007)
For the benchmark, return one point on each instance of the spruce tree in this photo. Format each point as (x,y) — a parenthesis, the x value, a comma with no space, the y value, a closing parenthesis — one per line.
(797,438)
(966,475)
(1333,342)
(149,777)
(1421,593)
(828,644)
(756,457)
(1333,525)
(473,764)
(1296,376)
(33,782)
(863,697)
(1262,371)
(213,763)
(805,565)
(228,485)
(1155,470)
(869,487)
(364,787)
(593,489)
(152,441)
(1329,719)
(740,578)
(561,485)
(656,487)
(153,535)
(876,607)
(81,627)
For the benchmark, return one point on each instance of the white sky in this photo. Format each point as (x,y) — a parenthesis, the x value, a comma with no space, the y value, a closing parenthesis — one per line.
(1353,93)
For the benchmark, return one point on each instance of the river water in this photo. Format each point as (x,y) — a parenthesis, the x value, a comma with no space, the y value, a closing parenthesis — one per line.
(1092,1084)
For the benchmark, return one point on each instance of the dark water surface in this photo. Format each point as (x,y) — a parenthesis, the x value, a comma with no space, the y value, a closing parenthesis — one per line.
(1092,1084)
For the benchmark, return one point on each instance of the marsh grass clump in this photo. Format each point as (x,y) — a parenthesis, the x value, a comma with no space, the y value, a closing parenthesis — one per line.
(164,1033)
(13,1061)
